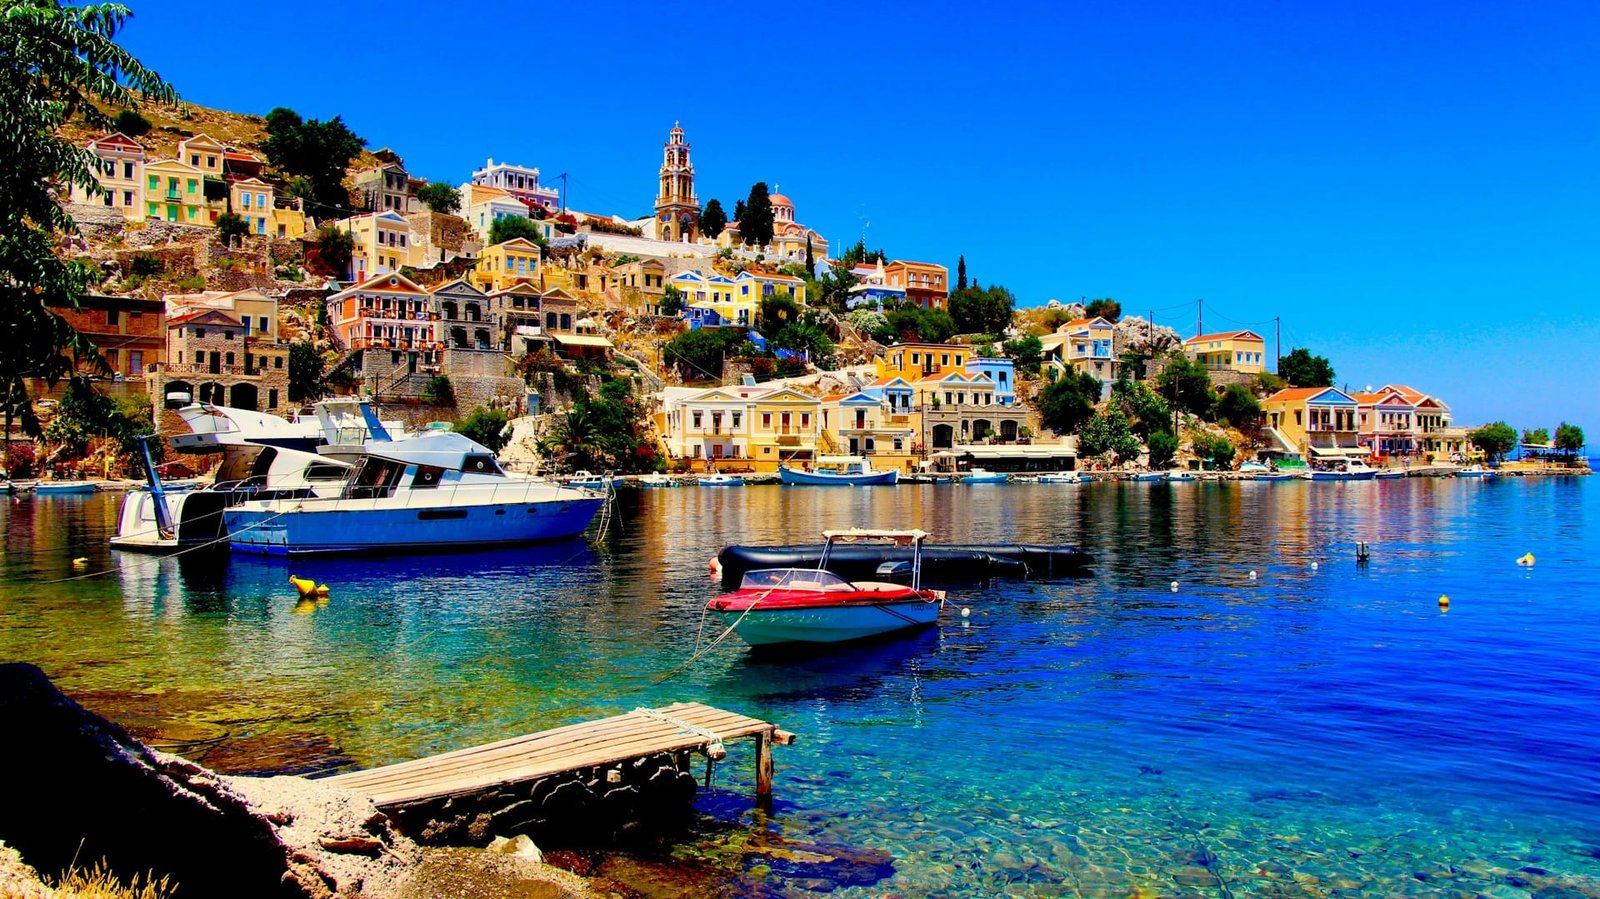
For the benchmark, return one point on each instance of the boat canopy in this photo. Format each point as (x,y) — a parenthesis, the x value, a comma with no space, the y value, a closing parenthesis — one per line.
(1339,452)
(841,460)
(794,579)
(441,449)
(854,534)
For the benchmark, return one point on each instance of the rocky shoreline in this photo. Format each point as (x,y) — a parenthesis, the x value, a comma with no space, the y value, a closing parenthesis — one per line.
(100,795)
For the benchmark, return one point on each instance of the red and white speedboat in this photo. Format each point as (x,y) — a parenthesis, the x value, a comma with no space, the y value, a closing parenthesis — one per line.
(814,605)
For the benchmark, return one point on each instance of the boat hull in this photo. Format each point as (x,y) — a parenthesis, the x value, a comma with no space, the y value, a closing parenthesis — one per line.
(984,479)
(77,489)
(1341,475)
(1059,479)
(722,482)
(829,624)
(940,564)
(198,515)
(822,479)
(354,526)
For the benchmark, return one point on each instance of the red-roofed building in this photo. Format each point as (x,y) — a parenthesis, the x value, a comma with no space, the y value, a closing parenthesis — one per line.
(926,284)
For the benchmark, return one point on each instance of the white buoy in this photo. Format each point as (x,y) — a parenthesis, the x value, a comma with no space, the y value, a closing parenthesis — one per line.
(966,613)
(1313,566)
(1174,586)
(1252,574)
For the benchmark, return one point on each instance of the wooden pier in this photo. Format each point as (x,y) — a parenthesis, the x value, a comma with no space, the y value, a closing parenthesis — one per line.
(577,747)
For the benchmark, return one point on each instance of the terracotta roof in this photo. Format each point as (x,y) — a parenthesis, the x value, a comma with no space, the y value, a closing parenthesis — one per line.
(776,277)
(240,156)
(780,200)
(1293,394)
(834,397)
(1224,335)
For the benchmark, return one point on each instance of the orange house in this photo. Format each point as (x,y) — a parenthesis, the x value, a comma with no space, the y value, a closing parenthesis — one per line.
(925,284)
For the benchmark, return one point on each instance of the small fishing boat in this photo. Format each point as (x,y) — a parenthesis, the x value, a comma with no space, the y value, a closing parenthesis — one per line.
(1260,471)
(1061,477)
(656,479)
(813,605)
(722,480)
(983,476)
(1181,476)
(1476,471)
(1146,476)
(1352,470)
(1390,474)
(590,481)
(64,488)
(838,471)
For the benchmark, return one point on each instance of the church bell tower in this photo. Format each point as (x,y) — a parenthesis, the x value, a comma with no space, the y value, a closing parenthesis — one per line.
(677,209)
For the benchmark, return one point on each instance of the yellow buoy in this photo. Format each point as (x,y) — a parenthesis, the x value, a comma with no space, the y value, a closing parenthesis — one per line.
(322,591)
(1525,559)
(1444,602)
(305,607)
(306,586)
(80,562)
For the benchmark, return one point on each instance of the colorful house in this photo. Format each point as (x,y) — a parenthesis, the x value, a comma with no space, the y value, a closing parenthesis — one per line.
(386,188)
(386,311)
(514,261)
(175,192)
(482,206)
(1083,344)
(520,182)
(719,294)
(204,153)
(925,283)
(914,361)
(118,166)
(873,290)
(786,426)
(865,424)
(252,200)
(1433,431)
(1002,372)
(1236,351)
(288,221)
(1321,423)
(1386,423)
(762,285)
(744,426)
(382,243)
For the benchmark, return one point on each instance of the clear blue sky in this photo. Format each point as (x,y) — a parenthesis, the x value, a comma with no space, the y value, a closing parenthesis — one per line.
(1412,186)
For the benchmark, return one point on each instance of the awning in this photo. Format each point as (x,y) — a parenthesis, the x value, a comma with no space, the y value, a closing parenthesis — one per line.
(1017,451)
(589,340)
(1339,452)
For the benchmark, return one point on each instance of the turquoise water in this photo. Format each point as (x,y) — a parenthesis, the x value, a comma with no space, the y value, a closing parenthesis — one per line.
(1307,732)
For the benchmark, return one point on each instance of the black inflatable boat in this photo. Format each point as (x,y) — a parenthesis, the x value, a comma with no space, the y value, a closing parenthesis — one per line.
(941,564)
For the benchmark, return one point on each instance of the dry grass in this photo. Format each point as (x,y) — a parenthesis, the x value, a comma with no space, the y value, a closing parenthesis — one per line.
(94,883)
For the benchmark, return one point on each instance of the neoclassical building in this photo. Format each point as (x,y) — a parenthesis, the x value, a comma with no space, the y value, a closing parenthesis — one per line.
(677,209)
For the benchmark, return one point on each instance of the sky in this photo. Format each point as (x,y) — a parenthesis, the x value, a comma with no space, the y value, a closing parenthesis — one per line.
(1411,188)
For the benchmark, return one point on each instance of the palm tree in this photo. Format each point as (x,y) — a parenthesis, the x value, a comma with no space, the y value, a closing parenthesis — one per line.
(574,439)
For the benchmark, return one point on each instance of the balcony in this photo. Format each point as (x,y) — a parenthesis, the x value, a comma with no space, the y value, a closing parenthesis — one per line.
(1325,428)
(172,194)
(394,343)
(395,315)
(207,369)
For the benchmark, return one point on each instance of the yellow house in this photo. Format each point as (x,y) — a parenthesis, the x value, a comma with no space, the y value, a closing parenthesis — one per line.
(202,152)
(502,265)
(867,424)
(175,192)
(382,243)
(288,222)
(1240,351)
(1083,344)
(118,166)
(761,285)
(720,296)
(785,428)
(740,426)
(953,390)
(1318,422)
(252,200)
(915,361)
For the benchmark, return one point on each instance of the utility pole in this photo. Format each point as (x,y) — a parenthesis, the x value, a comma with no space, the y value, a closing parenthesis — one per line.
(1277,342)
(1199,316)
(563,177)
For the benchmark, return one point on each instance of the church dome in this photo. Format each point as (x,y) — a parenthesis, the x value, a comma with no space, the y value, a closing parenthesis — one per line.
(781,200)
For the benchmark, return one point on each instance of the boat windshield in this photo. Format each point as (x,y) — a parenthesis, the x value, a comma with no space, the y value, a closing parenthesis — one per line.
(794,579)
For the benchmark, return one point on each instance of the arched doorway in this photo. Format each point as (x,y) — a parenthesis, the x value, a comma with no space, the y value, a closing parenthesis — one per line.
(458,338)
(244,396)
(481,336)
(178,394)
(981,429)
(944,436)
(1008,430)
(213,393)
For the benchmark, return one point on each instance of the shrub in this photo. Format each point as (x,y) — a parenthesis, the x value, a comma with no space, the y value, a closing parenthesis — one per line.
(146,265)
(1163,446)
(131,123)
(484,426)
(439,391)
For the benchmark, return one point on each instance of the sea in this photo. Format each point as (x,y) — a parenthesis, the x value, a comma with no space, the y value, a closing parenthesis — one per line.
(1228,704)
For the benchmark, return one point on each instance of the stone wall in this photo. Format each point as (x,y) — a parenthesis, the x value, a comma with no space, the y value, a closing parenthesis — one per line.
(608,804)
(466,363)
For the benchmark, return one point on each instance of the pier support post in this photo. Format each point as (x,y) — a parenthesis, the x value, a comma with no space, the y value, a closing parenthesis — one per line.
(764,768)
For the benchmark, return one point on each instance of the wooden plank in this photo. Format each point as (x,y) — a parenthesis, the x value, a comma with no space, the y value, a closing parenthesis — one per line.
(571,747)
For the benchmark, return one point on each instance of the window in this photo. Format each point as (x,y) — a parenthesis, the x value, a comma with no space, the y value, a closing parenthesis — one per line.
(211,162)
(805,419)
(244,200)
(228,359)
(696,418)
(194,159)
(766,421)
(155,183)
(192,184)
(227,335)
(127,198)
(272,398)
(277,362)
(736,419)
